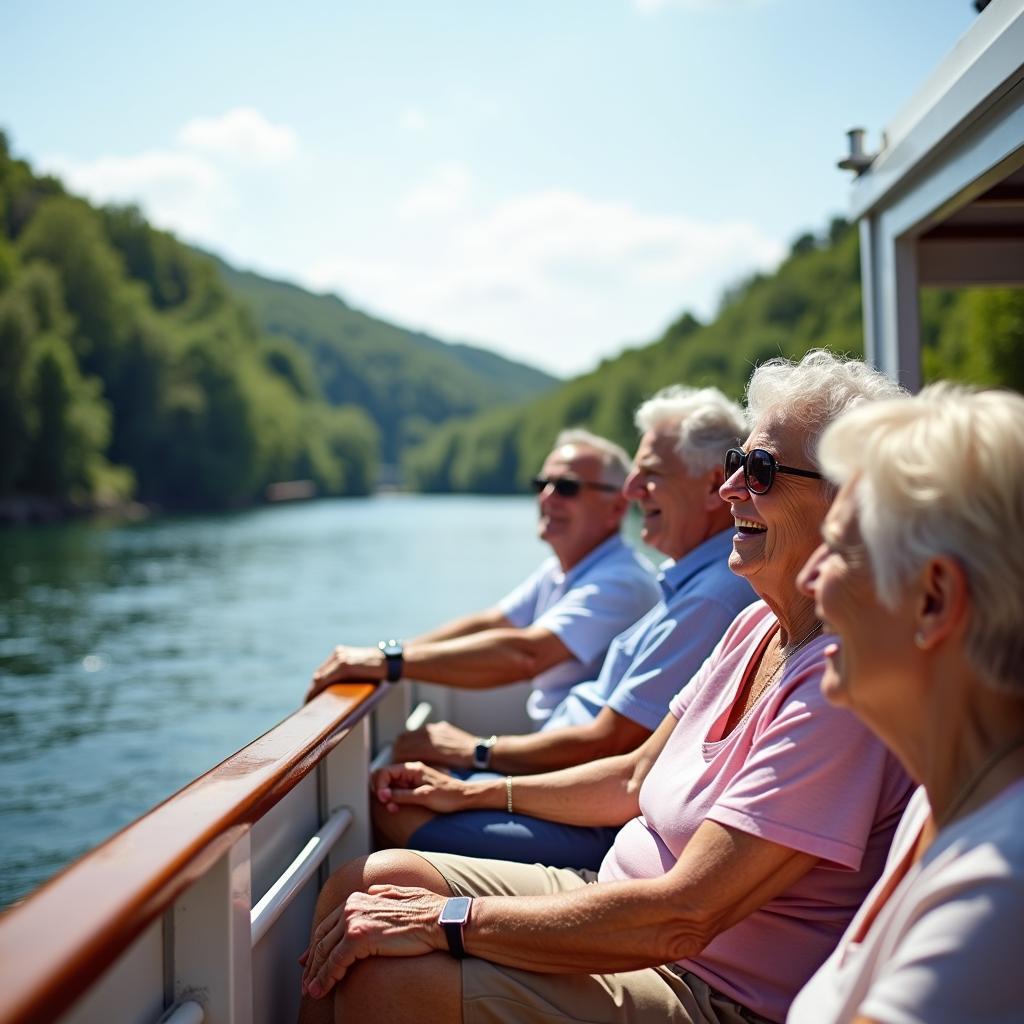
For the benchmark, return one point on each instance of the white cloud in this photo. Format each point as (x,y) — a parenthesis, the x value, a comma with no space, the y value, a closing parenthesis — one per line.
(194,186)
(242,133)
(555,277)
(443,194)
(182,192)
(414,120)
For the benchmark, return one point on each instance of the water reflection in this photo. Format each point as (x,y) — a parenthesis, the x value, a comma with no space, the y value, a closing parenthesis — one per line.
(134,657)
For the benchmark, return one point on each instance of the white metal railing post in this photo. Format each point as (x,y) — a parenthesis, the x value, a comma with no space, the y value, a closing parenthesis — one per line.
(212,939)
(344,783)
(390,714)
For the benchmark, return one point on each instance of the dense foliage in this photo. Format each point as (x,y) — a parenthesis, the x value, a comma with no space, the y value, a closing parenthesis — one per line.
(408,382)
(132,366)
(813,300)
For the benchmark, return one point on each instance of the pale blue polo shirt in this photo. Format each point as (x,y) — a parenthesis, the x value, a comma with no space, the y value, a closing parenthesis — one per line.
(586,607)
(648,664)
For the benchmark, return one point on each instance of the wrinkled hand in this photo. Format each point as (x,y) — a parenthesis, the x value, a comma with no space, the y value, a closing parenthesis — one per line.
(416,783)
(437,743)
(387,920)
(345,663)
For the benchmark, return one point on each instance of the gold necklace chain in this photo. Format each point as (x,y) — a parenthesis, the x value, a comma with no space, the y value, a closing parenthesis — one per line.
(999,754)
(755,700)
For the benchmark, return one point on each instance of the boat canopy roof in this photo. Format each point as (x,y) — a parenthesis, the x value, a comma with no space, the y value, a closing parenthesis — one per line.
(942,201)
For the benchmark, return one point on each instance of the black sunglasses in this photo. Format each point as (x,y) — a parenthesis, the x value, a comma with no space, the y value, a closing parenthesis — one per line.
(568,486)
(759,469)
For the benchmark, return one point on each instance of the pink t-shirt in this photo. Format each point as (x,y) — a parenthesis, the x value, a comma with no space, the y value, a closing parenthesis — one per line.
(798,772)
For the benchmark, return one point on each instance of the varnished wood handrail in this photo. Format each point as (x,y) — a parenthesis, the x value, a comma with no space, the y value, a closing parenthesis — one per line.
(67,933)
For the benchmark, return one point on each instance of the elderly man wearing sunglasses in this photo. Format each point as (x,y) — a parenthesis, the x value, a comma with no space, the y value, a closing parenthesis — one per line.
(555,627)
(675,479)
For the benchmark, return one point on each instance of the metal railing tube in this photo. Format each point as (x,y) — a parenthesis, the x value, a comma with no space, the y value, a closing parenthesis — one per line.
(416,720)
(295,876)
(184,1013)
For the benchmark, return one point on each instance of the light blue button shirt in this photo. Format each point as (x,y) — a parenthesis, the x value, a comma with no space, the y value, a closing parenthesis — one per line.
(655,658)
(585,608)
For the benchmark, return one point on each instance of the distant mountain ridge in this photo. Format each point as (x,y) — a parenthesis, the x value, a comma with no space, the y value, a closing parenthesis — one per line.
(811,300)
(407,381)
(134,367)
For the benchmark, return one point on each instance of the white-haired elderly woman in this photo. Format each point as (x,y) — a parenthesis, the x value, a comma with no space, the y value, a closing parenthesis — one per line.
(755,818)
(920,575)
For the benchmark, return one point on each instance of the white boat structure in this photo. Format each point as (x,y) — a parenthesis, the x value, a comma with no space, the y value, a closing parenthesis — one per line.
(198,910)
(942,202)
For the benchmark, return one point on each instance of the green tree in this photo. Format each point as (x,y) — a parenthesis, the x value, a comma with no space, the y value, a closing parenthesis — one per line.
(73,424)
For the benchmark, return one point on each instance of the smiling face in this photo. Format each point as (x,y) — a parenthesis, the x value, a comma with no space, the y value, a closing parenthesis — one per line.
(873,656)
(575,526)
(678,509)
(776,532)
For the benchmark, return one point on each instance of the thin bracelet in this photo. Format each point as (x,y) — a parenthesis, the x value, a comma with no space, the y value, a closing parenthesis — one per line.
(508,793)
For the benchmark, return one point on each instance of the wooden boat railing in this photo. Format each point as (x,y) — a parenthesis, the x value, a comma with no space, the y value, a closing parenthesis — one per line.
(197,910)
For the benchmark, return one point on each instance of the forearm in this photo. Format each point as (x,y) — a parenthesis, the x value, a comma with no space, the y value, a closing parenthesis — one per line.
(599,793)
(615,926)
(551,749)
(477,622)
(490,658)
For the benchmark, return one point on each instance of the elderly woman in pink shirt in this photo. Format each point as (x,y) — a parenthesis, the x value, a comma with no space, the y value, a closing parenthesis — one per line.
(755,818)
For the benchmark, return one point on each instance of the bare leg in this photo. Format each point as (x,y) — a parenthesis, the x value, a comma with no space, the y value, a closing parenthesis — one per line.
(398,867)
(424,989)
(394,830)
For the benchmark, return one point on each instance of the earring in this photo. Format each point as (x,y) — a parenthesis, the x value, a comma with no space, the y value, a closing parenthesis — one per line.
(920,640)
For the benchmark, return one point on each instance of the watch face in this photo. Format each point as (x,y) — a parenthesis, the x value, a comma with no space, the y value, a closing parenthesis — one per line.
(391,648)
(456,910)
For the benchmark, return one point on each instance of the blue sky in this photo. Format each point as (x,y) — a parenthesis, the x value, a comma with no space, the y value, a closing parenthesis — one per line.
(554,179)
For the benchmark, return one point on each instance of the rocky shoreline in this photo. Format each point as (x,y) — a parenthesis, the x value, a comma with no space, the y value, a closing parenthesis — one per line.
(32,510)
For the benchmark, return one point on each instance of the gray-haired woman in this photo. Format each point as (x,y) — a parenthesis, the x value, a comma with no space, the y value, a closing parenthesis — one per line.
(755,817)
(922,577)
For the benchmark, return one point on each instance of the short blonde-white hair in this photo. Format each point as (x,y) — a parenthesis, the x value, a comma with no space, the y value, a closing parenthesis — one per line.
(708,423)
(813,392)
(943,473)
(614,460)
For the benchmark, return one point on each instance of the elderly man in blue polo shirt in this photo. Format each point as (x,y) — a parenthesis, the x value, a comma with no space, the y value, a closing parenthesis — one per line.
(675,479)
(553,629)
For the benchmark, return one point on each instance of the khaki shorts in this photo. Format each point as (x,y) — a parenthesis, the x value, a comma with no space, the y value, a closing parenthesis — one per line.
(493,994)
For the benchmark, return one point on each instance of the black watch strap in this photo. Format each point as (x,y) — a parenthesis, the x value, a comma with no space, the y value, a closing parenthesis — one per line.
(393,657)
(453,932)
(482,752)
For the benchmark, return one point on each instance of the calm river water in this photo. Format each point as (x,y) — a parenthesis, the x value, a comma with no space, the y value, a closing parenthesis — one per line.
(135,657)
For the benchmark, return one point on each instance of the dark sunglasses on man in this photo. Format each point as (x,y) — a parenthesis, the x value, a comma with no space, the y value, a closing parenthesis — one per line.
(568,486)
(759,469)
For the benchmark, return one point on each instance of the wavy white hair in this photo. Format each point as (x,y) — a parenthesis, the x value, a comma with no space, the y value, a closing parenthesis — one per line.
(615,463)
(943,473)
(814,391)
(708,423)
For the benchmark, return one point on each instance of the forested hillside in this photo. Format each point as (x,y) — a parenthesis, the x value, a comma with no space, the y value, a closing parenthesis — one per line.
(130,367)
(812,300)
(408,382)
(128,370)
